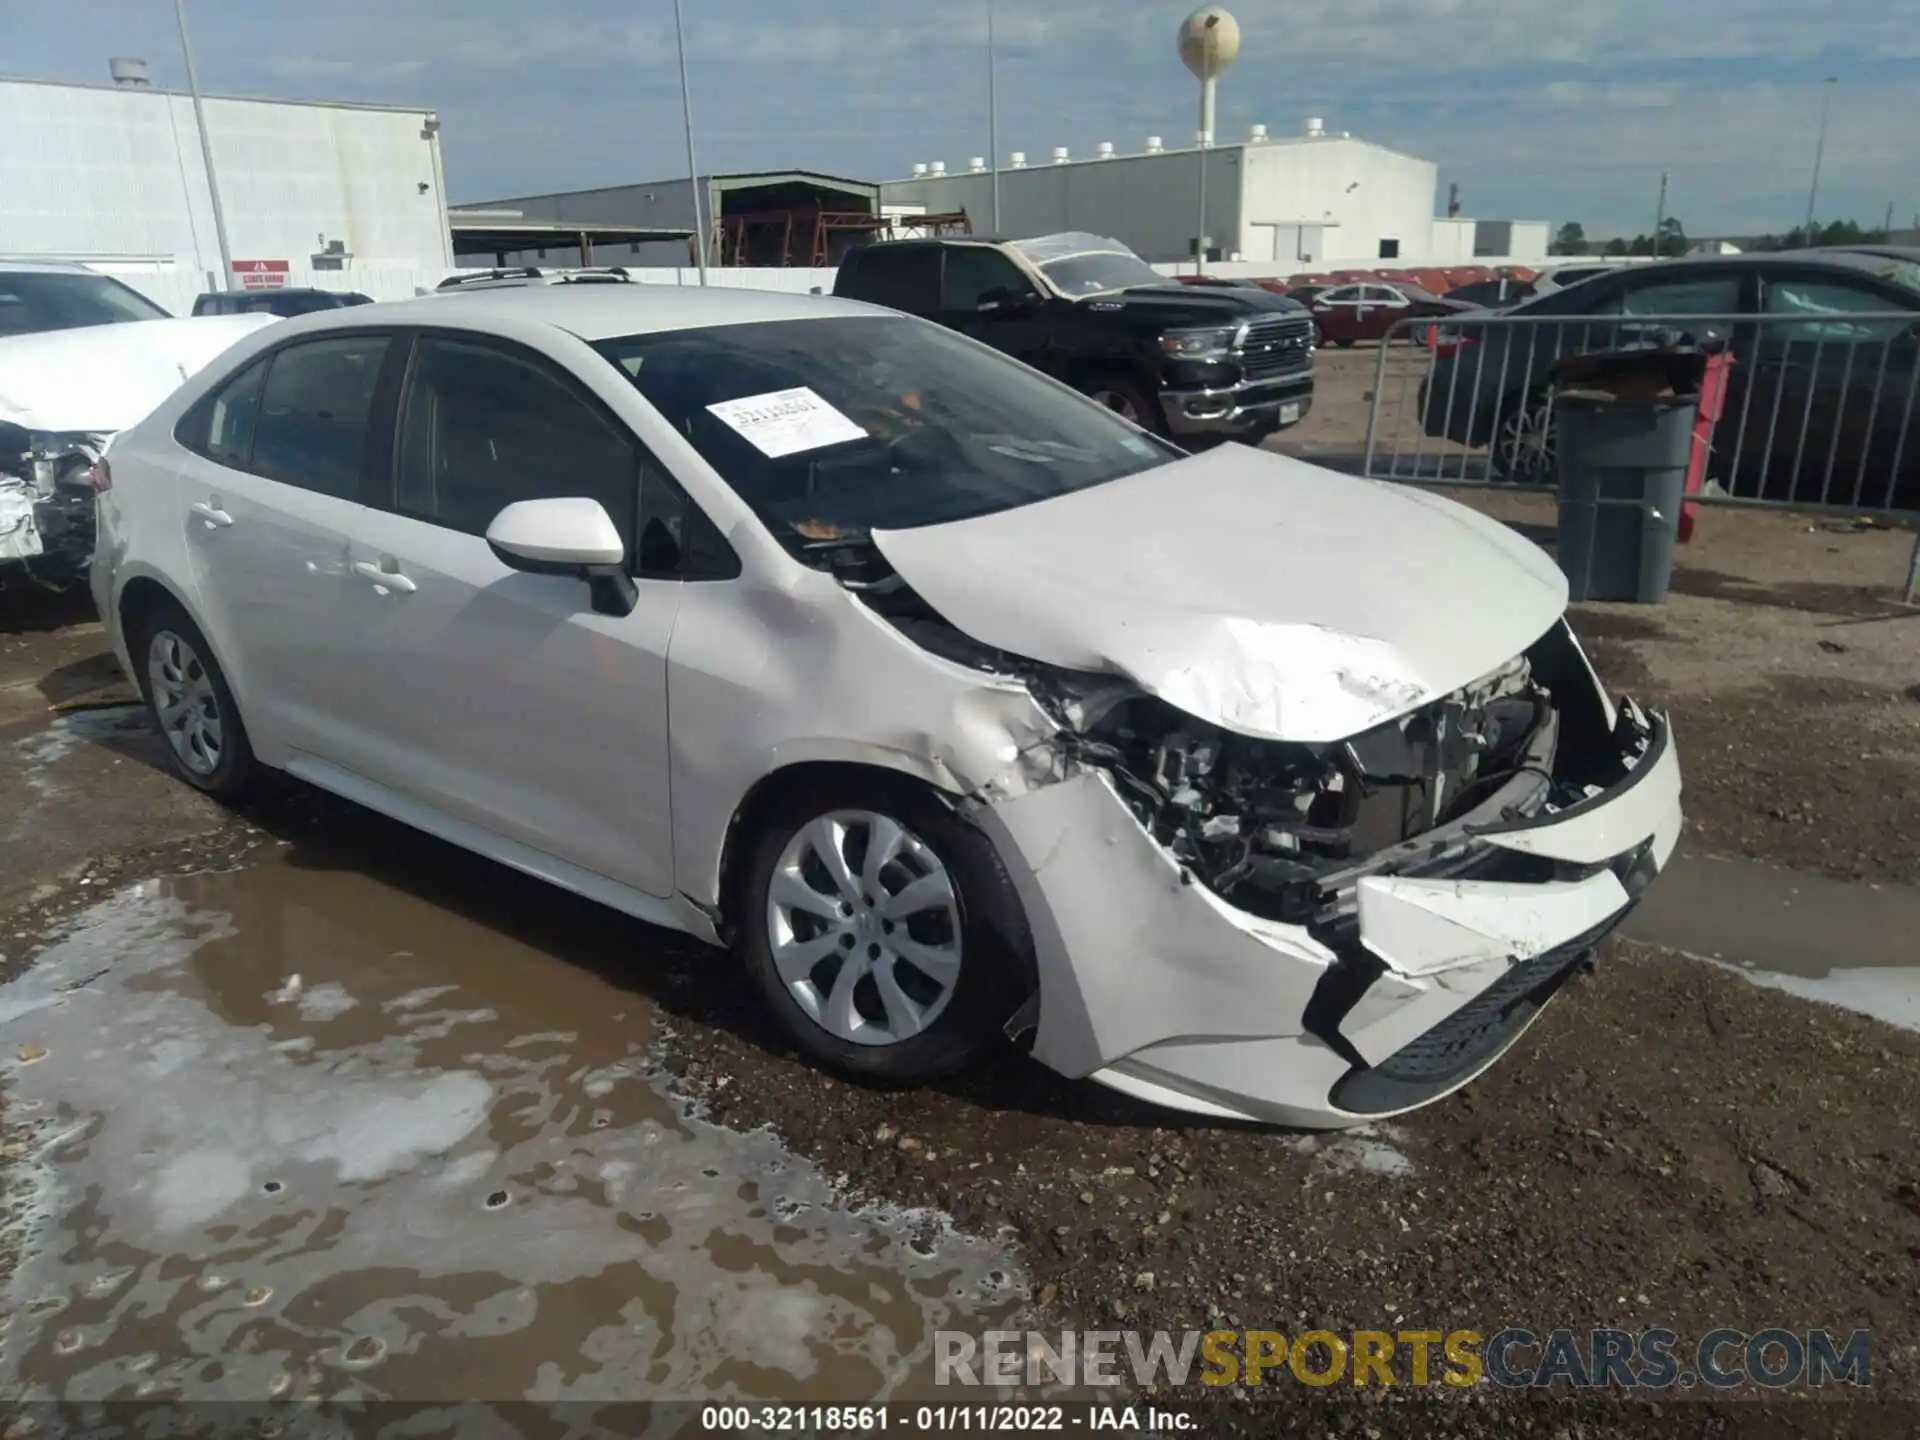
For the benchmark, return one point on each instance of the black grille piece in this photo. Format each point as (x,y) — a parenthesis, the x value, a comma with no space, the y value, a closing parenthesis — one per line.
(1276,346)
(1452,1051)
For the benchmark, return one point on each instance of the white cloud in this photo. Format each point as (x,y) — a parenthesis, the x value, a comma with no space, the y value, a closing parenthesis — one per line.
(1537,107)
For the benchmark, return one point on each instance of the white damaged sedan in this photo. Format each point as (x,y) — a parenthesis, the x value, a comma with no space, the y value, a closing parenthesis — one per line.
(964,711)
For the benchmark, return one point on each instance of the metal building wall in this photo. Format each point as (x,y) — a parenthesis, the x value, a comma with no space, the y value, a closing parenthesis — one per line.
(1150,202)
(656,204)
(1359,193)
(108,172)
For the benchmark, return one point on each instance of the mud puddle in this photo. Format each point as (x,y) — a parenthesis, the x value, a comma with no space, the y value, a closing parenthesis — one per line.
(1843,943)
(293,1133)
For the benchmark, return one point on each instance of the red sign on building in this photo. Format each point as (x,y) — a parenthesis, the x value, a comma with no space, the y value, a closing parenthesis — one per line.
(261,274)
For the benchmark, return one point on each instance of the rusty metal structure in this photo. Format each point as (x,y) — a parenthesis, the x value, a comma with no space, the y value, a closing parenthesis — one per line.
(816,237)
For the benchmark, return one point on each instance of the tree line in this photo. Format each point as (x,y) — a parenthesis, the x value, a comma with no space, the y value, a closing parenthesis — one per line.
(1571,239)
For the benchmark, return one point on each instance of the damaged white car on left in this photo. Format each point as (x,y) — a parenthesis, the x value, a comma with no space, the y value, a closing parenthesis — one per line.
(82,356)
(964,710)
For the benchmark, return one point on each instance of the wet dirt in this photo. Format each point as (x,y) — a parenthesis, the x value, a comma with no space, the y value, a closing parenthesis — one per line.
(291,1132)
(1852,945)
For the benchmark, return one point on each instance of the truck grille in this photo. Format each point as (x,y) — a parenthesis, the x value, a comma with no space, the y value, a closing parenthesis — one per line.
(1276,346)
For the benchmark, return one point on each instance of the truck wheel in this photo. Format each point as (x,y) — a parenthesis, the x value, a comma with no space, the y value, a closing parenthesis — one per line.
(1128,399)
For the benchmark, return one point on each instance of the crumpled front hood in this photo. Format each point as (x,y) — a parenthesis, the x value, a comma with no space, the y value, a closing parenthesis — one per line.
(103,378)
(1263,594)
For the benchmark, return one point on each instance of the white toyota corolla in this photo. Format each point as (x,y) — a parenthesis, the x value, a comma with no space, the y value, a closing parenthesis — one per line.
(958,706)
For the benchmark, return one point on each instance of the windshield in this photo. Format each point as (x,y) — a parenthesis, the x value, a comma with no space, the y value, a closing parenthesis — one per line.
(830,428)
(32,301)
(1100,274)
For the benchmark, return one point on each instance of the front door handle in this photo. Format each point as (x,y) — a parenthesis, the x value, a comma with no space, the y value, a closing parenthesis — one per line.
(211,513)
(384,579)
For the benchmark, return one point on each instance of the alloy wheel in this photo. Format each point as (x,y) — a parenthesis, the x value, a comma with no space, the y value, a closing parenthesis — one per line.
(1524,448)
(1121,405)
(863,925)
(184,702)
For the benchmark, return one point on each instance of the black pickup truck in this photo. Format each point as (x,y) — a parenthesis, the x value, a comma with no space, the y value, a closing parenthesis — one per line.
(1197,363)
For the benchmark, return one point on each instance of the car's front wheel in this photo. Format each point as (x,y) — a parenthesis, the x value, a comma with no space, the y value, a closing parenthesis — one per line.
(1129,399)
(881,930)
(191,704)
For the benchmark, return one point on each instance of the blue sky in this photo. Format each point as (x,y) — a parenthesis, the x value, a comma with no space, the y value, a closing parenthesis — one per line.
(1537,108)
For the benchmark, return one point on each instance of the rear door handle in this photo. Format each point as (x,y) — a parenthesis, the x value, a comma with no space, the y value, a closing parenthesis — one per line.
(210,511)
(384,579)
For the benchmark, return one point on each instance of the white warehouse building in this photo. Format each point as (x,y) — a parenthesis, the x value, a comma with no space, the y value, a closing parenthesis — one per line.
(1312,199)
(112,175)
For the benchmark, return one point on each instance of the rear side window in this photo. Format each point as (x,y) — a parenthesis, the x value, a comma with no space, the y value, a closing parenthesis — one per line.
(482,427)
(906,279)
(231,418)
(312,427)
(220,425)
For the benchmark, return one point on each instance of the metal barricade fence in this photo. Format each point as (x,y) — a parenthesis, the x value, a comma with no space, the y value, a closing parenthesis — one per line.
(1821,410)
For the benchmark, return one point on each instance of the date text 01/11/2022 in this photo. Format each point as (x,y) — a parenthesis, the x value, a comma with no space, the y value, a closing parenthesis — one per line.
(941,1419)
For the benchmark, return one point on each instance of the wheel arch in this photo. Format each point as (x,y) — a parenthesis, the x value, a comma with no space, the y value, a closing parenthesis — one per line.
(886,771)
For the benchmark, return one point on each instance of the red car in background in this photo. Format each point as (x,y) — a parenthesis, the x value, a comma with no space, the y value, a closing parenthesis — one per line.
(1346,314)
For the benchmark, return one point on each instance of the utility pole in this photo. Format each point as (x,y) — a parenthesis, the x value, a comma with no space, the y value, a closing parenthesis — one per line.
(1887,227)
(1660,215)
(206,149)
(693,166)
(1819,153)
(993,120)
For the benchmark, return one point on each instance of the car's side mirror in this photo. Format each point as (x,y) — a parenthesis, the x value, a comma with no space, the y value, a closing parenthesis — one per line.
(567,535)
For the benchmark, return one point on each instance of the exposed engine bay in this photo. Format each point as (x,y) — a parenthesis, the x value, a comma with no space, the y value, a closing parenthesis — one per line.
(1278,828)
(1262,821)
(46,506)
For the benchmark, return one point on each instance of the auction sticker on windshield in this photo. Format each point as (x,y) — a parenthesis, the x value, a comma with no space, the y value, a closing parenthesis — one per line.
(785,422)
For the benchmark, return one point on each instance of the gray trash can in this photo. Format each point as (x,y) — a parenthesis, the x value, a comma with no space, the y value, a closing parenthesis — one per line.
(1623,439)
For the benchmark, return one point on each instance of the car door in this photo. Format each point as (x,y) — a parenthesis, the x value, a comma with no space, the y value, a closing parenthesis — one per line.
(490,695)
(1336,311)
(272,477)
(985,295)
(1380,307)
(1834,388)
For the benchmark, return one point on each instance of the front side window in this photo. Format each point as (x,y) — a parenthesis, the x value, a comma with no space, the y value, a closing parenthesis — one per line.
(832,427)
(1810,300)
(1709,295)
(482,427)
(312,426)
(32,302)
(977,274)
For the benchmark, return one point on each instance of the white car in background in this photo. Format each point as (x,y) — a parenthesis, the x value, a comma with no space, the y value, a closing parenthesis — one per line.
(82,356)
(960,707)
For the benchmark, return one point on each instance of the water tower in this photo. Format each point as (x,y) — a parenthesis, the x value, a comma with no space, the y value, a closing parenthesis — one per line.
(1209,41)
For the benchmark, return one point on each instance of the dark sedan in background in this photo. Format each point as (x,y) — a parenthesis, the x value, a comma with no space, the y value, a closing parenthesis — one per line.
(286,303)
(1821,402)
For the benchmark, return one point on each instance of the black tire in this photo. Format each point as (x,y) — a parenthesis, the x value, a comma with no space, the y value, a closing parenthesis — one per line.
(1345,343)
(994,972)
(1128,398)
(233,770)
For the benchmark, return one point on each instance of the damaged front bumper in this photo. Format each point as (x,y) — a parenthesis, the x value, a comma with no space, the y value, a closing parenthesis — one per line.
(46,504)
(1428,964)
